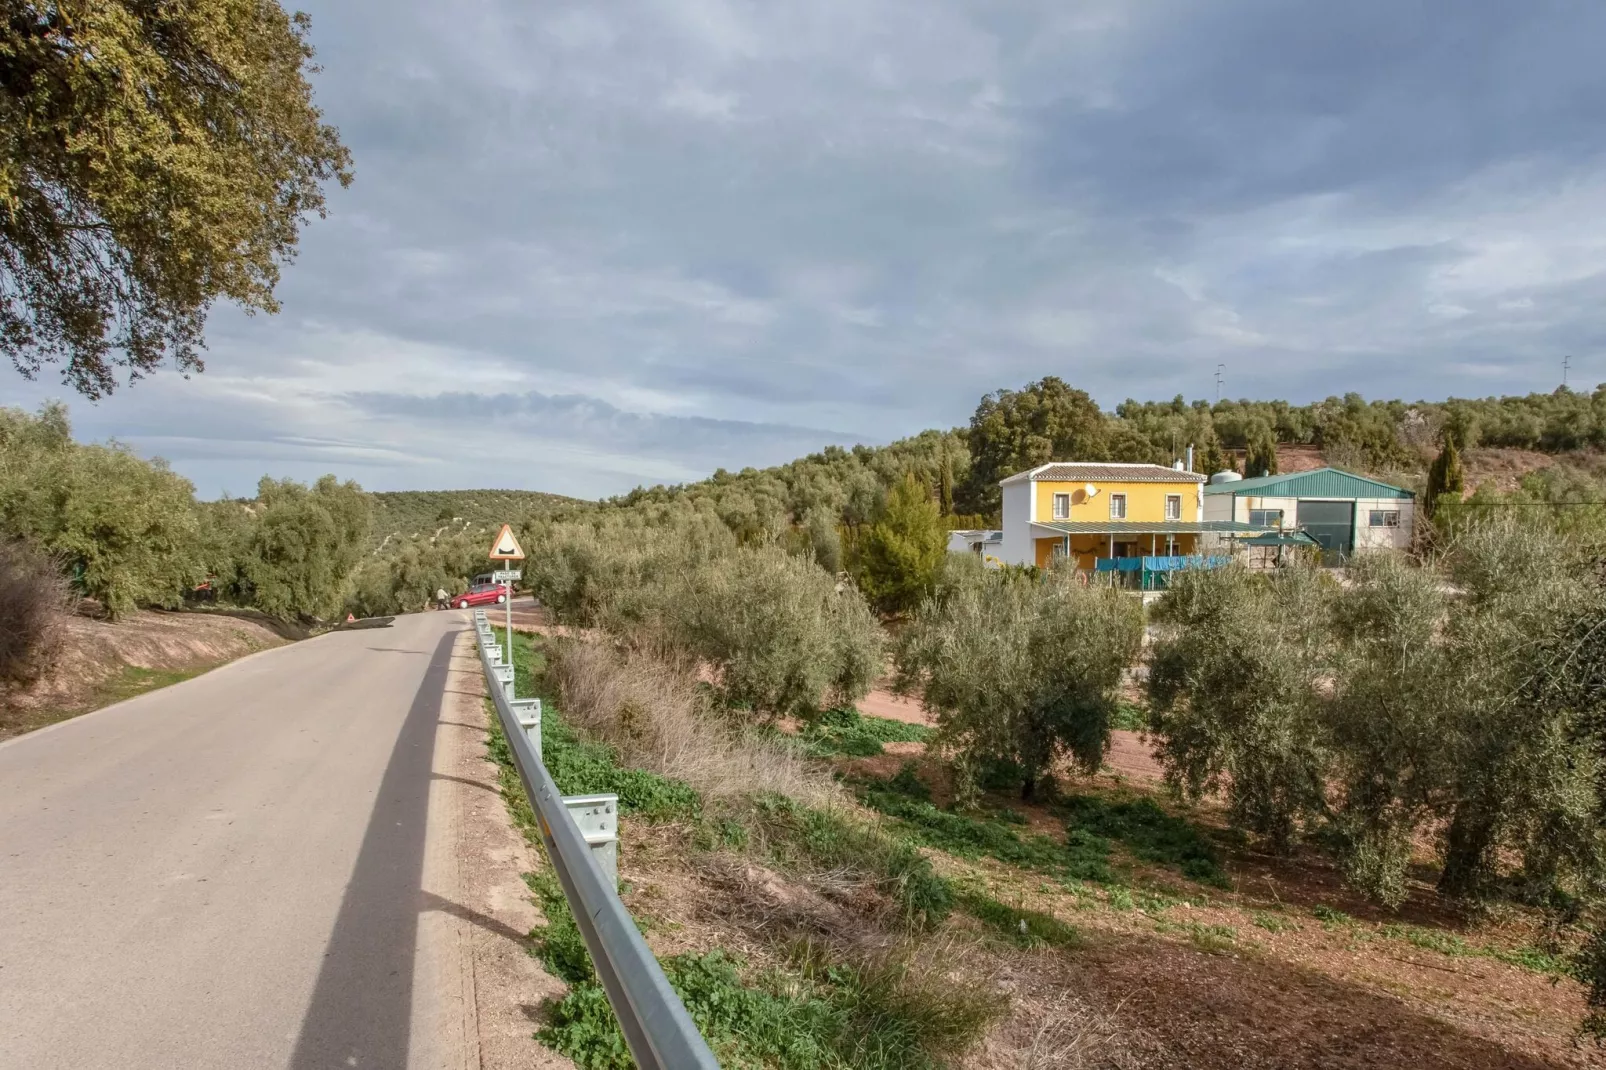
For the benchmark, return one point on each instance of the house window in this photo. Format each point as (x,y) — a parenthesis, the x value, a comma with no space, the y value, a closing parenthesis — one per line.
(1118,507)
(1062,507)
(1266,518)
(1173,507)
(1385,518)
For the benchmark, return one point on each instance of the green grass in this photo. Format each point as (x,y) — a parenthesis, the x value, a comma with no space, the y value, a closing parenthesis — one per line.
(1084,856)
(1274,924)
(819,1013)
(1533,959)
(1130,718)
(798,837)
(1150,833)
(1028,928)
(847,732)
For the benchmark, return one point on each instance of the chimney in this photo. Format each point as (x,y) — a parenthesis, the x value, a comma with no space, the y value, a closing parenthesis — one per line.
(1190,458)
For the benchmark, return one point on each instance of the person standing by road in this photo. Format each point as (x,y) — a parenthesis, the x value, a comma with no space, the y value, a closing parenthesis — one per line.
(440,598)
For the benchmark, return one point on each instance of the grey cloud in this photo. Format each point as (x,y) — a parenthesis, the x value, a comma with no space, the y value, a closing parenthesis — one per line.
(636,241)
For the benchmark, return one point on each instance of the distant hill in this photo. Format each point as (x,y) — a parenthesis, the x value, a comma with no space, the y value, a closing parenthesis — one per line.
(405,513)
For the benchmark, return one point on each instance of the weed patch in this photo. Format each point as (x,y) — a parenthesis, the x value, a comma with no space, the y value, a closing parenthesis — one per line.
(1028,928)
(1274,924)
(798,835)
(1084,855)
(1148,832)
(818,1014)
(848,732)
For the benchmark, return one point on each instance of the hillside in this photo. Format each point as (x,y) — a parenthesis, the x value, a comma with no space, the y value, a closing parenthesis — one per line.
(407,513)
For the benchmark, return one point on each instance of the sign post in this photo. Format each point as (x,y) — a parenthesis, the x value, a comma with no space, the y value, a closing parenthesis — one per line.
(506,548)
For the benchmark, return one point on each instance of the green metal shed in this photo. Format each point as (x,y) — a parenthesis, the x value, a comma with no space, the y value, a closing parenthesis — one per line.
(1320,483)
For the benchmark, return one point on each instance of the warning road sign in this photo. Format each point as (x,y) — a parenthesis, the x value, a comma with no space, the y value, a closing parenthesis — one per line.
(506,547)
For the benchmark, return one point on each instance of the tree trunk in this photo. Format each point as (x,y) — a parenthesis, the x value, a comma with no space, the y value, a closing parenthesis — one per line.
(1466,853)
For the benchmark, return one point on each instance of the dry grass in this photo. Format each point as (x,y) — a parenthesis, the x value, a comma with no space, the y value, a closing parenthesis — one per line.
(661,720)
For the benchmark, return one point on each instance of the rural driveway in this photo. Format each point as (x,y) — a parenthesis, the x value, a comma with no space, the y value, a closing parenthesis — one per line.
(231,872)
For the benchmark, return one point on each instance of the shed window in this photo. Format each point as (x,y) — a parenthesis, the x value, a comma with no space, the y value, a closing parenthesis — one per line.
(1062,507)
(1385,518)
(1266,518)
(1118,507)
(1173,507)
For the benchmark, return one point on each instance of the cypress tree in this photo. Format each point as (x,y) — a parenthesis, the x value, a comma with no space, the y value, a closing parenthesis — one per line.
(1445,477)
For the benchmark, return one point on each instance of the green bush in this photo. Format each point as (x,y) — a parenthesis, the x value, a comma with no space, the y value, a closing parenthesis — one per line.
(897,560)
(124,528)
(1021,669)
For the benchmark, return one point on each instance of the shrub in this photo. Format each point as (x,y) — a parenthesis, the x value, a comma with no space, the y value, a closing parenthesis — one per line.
(778,633)
(296,557)
(660,720)
(124,527)
(898,558)
(1021,669)
(33,598)
(1233,692)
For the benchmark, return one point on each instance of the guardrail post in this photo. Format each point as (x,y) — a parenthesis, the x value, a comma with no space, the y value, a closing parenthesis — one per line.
(504,676)
(528,711)
(598,819)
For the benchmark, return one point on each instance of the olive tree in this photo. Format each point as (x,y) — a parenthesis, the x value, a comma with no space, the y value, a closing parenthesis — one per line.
(1235,693)
(1021,669)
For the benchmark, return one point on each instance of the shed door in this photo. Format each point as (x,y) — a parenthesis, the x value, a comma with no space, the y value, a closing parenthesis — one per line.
(1332,524)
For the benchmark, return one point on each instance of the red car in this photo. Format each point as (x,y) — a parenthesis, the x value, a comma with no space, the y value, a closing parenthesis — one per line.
(481,594)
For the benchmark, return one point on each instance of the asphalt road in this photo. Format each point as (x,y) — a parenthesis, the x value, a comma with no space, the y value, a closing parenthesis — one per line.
(226,873)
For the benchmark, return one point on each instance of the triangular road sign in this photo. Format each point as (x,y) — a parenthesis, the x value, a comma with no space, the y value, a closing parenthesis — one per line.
(506,547)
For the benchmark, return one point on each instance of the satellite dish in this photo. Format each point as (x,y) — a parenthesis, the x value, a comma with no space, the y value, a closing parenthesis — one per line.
(1089,489)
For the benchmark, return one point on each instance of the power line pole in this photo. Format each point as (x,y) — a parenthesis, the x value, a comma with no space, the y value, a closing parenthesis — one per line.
(1219,368)
(1566,363)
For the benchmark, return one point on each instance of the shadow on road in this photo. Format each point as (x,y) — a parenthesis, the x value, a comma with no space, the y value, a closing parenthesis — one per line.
(362,1004)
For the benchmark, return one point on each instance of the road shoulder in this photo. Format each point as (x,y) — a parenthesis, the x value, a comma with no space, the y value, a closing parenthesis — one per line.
(480,993)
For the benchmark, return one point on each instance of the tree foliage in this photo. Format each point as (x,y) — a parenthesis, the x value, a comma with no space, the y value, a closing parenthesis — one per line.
(1260,453)
(898,559)
(1445,477)
(777,631)
(1013,430)
(153,159)
(1020,669)
(1412,701)
(124,528)
(296,556)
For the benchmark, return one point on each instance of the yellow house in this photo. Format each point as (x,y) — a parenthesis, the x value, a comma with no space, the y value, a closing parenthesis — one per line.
(1094,510)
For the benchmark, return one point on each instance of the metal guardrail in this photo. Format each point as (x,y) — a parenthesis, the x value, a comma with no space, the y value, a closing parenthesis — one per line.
(581,837)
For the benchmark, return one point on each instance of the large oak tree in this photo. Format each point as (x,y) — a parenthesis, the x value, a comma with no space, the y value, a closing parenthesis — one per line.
(155,156)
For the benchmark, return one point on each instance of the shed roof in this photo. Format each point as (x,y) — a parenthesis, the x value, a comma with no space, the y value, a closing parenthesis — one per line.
(1320,483)
(1070,471)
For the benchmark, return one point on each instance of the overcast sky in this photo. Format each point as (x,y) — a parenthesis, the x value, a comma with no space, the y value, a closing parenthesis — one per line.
(592,245)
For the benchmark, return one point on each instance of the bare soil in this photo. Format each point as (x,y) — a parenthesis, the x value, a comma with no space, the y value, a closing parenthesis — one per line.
(1251,976)
(105,662)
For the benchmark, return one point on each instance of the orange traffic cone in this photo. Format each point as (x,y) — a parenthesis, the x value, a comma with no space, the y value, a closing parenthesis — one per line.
(350,619)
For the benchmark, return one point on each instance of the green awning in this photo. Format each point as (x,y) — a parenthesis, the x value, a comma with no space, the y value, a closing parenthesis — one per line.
(1287,538)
